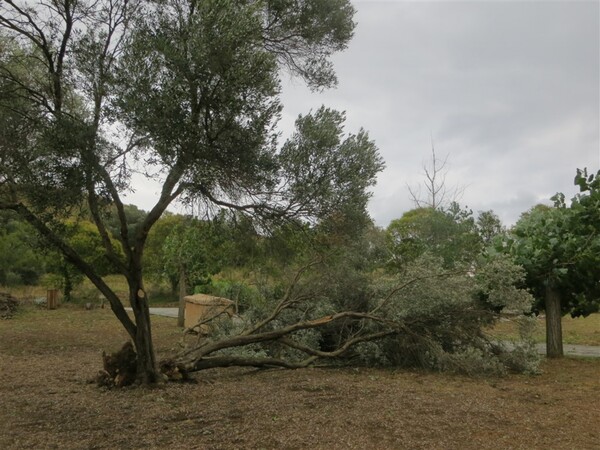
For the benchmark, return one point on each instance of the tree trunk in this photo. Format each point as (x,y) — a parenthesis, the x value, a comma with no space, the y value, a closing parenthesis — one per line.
(182,293)
(67,284)
(554,346)
(147,372)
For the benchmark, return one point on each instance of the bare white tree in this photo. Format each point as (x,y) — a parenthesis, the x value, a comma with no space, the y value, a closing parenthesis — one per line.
(434,192)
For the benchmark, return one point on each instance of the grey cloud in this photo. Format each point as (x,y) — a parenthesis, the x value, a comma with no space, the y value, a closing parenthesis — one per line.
(509,89)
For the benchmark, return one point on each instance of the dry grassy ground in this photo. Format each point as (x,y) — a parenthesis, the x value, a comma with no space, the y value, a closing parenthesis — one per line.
(577,331)
(46,358)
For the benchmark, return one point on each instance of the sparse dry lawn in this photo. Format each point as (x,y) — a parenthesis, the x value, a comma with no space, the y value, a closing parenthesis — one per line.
(578,331)
(46,358)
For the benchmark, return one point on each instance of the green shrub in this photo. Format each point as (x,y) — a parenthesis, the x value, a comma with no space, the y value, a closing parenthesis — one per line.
(245,296)
(442,315)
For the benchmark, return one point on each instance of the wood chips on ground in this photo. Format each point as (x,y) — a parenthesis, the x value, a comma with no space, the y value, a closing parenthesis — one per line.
(47,358)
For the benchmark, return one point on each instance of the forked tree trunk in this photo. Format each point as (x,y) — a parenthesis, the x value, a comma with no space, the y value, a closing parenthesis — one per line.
(554,346)
(147,372)
(67,282)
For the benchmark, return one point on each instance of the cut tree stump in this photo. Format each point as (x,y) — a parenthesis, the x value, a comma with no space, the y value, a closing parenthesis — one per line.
(119,367)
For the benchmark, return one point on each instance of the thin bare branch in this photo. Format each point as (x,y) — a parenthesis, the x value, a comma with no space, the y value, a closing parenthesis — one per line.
(287,299)
(437,193)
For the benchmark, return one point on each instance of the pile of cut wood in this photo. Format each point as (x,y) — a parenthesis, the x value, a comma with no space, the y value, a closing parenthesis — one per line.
(8,305)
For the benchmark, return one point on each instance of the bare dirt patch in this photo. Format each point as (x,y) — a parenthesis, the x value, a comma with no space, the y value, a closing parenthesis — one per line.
(46,358)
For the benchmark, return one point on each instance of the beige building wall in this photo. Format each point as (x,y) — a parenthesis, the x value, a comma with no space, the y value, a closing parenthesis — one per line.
(200,307)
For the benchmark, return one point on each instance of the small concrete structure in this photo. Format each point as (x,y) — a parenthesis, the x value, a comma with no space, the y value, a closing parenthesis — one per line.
(200,307)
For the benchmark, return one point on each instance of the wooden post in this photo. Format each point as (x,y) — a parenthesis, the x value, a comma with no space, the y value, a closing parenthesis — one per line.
(52,298)
(182,293)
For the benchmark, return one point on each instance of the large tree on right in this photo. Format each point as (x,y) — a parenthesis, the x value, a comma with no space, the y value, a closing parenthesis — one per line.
(559,247)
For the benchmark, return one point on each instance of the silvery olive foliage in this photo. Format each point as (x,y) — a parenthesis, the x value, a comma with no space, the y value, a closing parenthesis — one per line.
(445,313)
(427,316)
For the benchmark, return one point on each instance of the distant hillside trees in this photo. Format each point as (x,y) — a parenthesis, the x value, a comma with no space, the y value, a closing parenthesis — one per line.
(21,261)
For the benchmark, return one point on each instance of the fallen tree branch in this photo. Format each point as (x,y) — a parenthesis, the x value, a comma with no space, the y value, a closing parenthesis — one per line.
(211,362)
(339,351)
(287,300)
(198,358)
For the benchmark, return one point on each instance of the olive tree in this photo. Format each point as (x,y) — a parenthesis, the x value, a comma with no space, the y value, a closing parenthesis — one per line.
(424,316)
(181,91)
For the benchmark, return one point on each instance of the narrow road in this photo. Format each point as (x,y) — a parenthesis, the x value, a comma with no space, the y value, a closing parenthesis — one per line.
(166,312)
(575,350)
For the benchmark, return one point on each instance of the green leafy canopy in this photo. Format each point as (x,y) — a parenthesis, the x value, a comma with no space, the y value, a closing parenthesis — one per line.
(560,246)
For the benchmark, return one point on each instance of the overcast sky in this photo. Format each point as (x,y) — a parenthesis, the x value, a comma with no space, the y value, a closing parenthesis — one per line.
(509,90)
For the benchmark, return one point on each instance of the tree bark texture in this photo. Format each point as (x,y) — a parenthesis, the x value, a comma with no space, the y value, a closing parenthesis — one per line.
(554,346)
(182,292)
(147,371)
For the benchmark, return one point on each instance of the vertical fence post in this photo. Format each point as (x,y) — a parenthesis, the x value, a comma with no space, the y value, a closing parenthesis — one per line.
(52,298)
(182,290)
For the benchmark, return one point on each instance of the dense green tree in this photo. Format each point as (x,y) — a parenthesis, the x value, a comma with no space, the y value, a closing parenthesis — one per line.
(236,240)
(449,234)
(134,217)
(84,238)
(21,262)
(489,227)
(183,91)
(192,248)
(190,256)
(559,247)
(153,260)
(228,240)
(23,259)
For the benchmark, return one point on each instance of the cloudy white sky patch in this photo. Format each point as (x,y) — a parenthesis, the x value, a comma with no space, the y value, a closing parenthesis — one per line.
(509,90)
